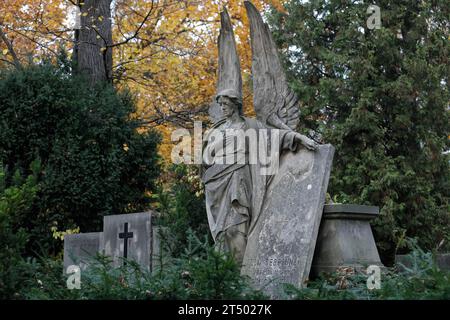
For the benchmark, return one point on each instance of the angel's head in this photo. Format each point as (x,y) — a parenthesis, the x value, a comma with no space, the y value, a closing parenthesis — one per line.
(229,103)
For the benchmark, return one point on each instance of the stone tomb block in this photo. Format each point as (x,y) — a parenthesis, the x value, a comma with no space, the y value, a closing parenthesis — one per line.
(128,236)
(280,248)
(345,239)
(79,249)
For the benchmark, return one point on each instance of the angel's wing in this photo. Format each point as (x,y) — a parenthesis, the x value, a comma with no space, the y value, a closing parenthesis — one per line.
(274,102)
(229,75)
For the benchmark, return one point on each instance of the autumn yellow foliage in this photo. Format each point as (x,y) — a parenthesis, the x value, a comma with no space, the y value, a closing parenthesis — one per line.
(170,63)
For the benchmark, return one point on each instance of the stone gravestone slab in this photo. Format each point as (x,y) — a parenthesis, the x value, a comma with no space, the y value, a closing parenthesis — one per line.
(280,248)
(80,248)
(128,236)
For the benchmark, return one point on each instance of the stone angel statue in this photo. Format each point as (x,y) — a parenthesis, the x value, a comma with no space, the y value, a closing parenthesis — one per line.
(235,191)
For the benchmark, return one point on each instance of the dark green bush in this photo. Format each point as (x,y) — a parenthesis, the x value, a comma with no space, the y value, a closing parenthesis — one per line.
(381,98)
(15,202)
(200,272)
(181,204)
(424,280)
(94,162)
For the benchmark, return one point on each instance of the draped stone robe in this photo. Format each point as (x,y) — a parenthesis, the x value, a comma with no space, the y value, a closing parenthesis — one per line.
(235,192)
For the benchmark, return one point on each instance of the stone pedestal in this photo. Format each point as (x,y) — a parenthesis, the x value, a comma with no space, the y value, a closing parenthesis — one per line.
(345,239)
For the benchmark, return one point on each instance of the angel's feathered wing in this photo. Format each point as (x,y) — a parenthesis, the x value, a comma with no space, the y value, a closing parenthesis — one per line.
(229,75)
(274,102)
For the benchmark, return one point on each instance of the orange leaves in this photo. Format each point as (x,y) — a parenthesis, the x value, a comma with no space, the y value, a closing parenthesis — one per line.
(164,51)
(34,27)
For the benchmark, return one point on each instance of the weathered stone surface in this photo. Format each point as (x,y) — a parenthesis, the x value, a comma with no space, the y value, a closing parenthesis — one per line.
(345,239)
(80,248)
(236,191)
(130,236)
(280,248)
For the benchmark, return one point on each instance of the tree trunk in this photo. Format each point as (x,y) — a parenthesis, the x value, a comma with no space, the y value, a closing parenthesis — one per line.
(93,51)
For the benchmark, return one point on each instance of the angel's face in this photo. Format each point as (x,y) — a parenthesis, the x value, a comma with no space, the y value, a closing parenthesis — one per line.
(227,106)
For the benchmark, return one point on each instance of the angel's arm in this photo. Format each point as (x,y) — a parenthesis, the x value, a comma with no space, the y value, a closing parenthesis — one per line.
(292,140)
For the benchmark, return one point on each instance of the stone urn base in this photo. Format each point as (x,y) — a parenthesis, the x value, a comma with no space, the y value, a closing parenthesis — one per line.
(345,239)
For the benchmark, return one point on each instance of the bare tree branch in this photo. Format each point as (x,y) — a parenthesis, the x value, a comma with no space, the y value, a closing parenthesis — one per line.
(10,47)
(8,62)
(35,42)
(136,32)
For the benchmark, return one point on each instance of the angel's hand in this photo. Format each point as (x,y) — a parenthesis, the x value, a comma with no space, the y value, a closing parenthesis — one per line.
(305,141)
